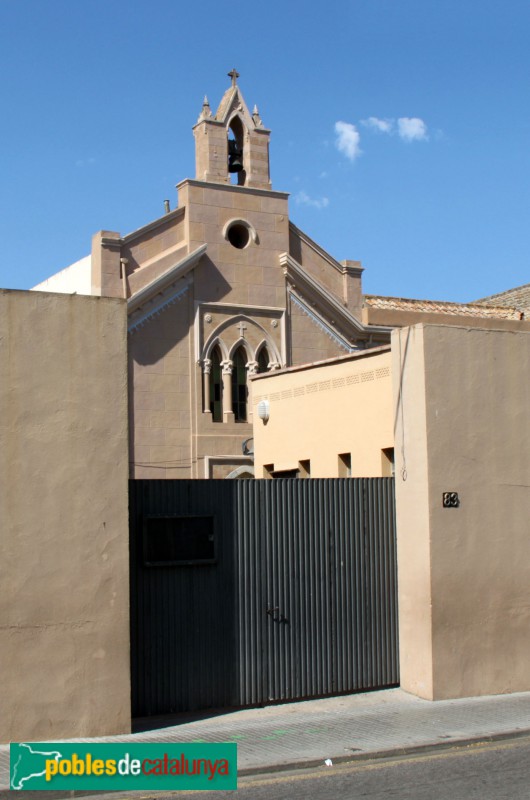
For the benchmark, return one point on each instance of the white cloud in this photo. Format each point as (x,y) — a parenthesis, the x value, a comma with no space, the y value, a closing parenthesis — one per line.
(412,129)
(381,125)
(348,140)
(303,199)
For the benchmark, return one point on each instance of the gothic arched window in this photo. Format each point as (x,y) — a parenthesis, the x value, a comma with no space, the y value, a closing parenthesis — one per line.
(239,385)
(216,387)
(263,360)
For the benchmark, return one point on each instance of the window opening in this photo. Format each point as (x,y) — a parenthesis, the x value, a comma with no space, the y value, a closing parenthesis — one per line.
(235,153)
(216,384)
(387,462)
(304,468)
(344,465)
(263,360)
(239,386)
(285,473)
(238,235)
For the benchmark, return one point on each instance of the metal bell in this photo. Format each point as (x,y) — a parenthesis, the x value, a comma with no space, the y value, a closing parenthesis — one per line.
(235,157)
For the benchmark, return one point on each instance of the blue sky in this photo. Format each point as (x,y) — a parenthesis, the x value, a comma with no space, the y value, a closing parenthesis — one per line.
(401,128)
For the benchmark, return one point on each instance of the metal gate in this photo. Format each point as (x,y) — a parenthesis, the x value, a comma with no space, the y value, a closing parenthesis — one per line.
(248,592)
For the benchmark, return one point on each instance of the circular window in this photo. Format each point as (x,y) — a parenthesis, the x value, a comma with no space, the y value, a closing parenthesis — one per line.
(238,235)
(239,232)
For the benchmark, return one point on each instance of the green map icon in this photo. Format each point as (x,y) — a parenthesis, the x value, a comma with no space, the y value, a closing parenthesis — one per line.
(29,764)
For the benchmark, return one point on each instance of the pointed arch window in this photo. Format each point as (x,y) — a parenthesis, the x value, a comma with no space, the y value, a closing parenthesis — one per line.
(239,385)
(216,384)
(263,360)
(235,152)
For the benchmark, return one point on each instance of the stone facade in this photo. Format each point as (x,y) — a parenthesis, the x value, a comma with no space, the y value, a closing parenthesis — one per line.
(226,286)
(218,289)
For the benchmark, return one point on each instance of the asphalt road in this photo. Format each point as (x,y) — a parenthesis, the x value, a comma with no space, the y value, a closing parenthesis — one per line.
(494,771)
(486,771)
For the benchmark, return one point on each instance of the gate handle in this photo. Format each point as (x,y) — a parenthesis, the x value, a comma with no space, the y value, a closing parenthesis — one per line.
(280,618)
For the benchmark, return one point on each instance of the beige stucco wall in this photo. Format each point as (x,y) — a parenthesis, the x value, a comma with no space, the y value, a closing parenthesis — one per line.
(64,599)
(462,410)
(320,411)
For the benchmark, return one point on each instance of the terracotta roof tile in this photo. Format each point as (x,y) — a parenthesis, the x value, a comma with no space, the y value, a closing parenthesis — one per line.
(518,297)
(440,307)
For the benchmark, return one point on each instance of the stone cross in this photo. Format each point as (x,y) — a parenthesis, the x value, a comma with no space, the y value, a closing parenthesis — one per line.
(234,75)
(242,329)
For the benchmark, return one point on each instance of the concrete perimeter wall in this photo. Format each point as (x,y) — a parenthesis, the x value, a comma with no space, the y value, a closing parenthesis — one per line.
(64,580)
(462,420)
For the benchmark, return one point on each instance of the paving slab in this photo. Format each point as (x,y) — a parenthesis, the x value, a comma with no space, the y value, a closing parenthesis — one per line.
(360,725)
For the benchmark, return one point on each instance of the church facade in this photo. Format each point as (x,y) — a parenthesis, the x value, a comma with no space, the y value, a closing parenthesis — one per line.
(220,288)
(224,287)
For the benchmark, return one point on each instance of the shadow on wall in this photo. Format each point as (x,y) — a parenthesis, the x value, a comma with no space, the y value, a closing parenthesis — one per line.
(164,332)
(399,410)
(295,247)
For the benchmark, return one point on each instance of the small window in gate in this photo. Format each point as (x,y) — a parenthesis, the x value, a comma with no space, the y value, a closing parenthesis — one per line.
(178,541)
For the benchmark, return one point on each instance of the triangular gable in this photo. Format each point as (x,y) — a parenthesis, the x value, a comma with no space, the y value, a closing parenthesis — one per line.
(164,290)
(326,311)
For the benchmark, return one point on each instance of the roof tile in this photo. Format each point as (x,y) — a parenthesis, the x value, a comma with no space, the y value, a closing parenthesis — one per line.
(440,307)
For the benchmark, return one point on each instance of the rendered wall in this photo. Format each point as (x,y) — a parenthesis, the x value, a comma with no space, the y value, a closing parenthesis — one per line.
(64,599)
(462,410)
(320,411)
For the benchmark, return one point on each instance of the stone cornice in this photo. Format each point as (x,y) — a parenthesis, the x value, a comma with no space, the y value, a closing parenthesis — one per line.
(208,121)
(344,269)
(152,226)
(222,124)
(156,307)
(118,242)
(297,275)
(315,292)
(230,187)
(107,241)
(164,281)
(327,327)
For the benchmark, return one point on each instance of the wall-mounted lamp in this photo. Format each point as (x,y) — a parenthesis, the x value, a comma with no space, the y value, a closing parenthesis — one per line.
(264,410)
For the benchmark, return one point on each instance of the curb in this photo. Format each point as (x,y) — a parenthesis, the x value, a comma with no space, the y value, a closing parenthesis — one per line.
(376,755)
(293,766)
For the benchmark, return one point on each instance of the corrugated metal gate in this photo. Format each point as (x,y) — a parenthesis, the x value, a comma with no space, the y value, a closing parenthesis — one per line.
(247,592)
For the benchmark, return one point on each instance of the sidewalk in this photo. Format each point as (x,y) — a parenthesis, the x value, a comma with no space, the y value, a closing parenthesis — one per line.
(353,726)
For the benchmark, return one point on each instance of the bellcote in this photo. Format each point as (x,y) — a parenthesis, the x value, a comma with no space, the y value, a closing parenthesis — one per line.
(232,141)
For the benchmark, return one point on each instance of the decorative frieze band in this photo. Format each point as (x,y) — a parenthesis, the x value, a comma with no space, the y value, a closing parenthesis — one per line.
(327,385)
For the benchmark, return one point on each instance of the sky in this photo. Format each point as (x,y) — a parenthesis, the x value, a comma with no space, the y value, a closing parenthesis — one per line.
(400,128)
